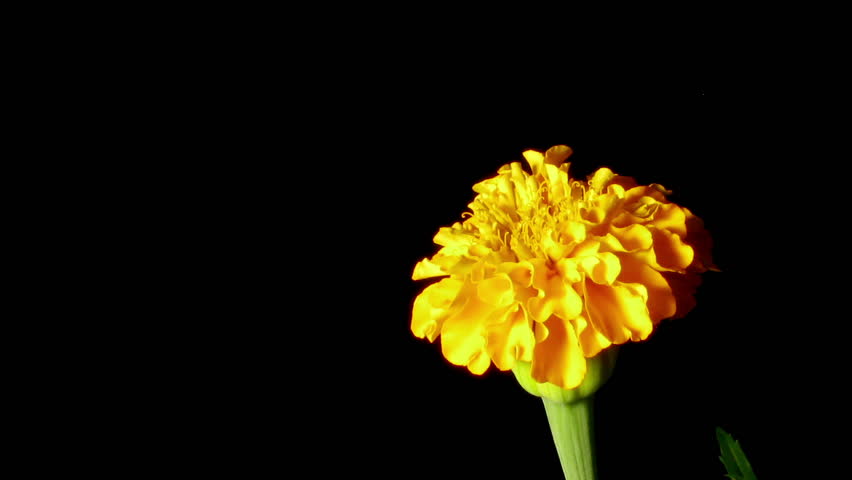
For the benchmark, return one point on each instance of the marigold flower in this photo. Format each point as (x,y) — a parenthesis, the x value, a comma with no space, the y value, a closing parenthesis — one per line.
(550,270)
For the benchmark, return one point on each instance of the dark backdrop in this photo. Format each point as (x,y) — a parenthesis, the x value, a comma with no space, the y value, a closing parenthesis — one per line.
(349,206)
(408,170)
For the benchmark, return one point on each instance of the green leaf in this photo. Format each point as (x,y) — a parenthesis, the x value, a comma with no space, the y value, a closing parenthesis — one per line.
(733,457)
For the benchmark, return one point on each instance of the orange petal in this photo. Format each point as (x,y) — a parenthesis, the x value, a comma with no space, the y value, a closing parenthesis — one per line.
(555,296)
(633,237)
(670,217)
(591,340)
(479,363)
(534,159)
(618,312)
(572,232)
(601,179)
(670,251)
(454,236)
(432,307)
(512,339)
(463,331)
(602,268)
(661,300)
(427,269)
(559,359)
(557,154)
(520,273)
(496,291)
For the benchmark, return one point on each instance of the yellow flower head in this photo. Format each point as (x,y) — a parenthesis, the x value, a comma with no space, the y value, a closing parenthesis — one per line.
(550,270)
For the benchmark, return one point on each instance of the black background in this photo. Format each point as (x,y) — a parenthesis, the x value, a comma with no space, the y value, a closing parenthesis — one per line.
(284,181)
(341,181)
(401,409)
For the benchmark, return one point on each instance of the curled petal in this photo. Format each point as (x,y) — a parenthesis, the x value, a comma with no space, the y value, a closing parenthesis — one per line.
(479,363)
(670,217)
(568,270)
(540,332)
(535,160)
(601,179)
(463,331)
(670,251)
(591,340)
(427,269)
(555,297)
(432,307)
(454,237)
(559,358)
(572,232)
(661,300)
(589,247)
(618,312)
(512,339)
(602,268)
(634,237)
(520,273)
(556,155)
(653,191)
(496,291)
(554,249)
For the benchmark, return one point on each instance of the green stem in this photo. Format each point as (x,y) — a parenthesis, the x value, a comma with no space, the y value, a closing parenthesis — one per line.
(571,426)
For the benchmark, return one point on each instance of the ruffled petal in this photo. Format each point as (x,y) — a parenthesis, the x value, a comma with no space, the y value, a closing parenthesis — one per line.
(661,300)
(602,268)
(559,359)
(633,237)
(618,312)
(572,232)
(432,307)
(496,291)
(555,297)
(454,236)
(463,331)
(670,251)
(479,363)
(557,154)
(427,269)
(591,340)
(670,217)
(520,273)
(512,339)
(535,160)
(600,179)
